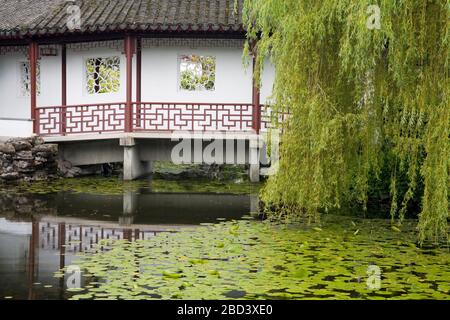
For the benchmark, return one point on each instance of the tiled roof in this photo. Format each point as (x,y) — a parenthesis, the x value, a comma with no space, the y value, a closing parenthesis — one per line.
(19,18)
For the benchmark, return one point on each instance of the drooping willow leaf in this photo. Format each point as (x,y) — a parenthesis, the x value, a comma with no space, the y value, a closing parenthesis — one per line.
(367,87)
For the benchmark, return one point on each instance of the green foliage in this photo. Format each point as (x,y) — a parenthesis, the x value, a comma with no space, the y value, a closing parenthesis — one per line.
(358,97)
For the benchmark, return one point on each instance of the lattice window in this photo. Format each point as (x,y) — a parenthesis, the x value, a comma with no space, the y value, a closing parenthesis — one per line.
(197,73)
(103,75)
(25,78)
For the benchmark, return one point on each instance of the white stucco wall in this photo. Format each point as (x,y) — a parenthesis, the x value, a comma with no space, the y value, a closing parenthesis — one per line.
(76,76)
(267,80)
(160,76)
(12,104)
(160,80)
(15,110)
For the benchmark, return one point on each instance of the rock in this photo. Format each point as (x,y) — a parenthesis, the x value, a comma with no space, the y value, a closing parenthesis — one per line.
(37,141)
(5,158)
(7,148)
(25,166)
(24,209)
(73,172)
(28,159)
(10,176)
(63,166)
(24,155)
(21,145)
(46,149)
(40,175)
(9,168)
(39,162)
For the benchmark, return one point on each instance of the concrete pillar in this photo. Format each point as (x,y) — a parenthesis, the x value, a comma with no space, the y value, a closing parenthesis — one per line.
(254,204)
(133,167)
(129,202)
(254,160)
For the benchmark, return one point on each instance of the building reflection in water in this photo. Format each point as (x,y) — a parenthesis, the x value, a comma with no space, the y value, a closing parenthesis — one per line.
(35,244)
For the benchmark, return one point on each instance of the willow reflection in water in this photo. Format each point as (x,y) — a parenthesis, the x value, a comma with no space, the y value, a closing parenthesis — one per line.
(40,234)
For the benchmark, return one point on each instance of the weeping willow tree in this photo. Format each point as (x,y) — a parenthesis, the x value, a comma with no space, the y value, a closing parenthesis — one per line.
(366,83)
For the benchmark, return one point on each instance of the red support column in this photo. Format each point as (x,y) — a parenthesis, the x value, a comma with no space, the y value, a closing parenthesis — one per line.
(33,253)
(33,57)
(256,111)
(129,51)
(138,80)
(62,253)
(63,89)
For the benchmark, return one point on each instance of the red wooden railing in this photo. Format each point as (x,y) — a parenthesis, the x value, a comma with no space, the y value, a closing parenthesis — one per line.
(87,118)
(148,116)
(162,116)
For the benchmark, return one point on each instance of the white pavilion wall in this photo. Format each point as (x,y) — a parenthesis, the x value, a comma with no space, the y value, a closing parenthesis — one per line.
(77,55)
(160,77)
(15,118)
(233,83)
(15,110)
(160,74)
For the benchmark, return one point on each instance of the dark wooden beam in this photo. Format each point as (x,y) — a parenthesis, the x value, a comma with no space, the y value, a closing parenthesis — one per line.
(256,94)
(33,57)
(129,44)
(63,88)
(138,79)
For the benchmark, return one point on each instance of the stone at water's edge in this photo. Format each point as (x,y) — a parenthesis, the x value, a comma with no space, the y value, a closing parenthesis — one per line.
(27,159)
(7,148)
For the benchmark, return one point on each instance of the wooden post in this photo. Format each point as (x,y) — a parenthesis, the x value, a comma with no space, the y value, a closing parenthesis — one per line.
(256,111)
(138,80)
(33,252)
(129,51)
(63,89)
(33,57)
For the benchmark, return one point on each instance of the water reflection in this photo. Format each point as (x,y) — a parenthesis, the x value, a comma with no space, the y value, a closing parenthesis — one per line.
(40,234)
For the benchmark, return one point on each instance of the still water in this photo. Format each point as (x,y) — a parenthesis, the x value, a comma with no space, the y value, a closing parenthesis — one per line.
(44,227)
(184,240)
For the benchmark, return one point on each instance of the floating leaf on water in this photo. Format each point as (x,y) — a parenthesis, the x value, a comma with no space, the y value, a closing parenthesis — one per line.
(213,272)
(300,273)
(198,261)
(172,275)
(396,229)
(74,289)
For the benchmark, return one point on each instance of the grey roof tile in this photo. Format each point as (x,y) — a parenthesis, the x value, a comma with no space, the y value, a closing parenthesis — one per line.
(20,18)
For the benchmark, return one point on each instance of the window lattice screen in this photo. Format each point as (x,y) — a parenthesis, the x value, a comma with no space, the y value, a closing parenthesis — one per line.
(103,75)
(197,73)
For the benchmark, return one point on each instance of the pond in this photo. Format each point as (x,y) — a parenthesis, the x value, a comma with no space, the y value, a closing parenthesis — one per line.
(100,238)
